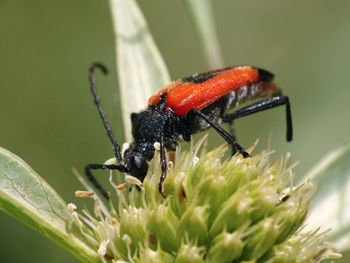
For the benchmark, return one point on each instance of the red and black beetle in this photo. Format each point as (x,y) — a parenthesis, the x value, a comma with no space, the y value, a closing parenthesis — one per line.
(188,106)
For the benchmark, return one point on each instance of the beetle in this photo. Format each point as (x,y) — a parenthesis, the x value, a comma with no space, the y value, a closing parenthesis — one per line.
(185,107)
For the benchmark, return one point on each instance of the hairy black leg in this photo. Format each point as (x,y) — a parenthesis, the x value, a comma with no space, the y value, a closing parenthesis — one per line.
(265,105)
(163,165)
(222,132)
(233,134)
(93,180)
(97,101)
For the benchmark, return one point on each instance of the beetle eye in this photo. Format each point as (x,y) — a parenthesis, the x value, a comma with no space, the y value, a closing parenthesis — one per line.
(139,167)
(137,161)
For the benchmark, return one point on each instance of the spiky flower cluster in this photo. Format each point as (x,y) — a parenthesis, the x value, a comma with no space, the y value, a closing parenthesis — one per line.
(216,211)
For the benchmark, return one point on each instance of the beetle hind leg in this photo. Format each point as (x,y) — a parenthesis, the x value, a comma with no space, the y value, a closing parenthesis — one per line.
(265,105)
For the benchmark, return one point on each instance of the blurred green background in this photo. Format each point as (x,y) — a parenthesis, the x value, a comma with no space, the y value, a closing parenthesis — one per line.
(46,112)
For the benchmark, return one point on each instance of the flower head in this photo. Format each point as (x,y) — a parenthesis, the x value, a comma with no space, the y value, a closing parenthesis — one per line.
(215,211)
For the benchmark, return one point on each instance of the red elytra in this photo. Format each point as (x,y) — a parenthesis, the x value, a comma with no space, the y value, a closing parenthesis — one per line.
(182,96)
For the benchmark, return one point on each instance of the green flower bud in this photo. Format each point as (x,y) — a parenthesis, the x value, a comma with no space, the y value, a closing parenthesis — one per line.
(161,227)
(291,214)
(133,225)
(189,253)
(300,248)
(226,247)
(259,238)
(148,255)
(193,224)
(233,213)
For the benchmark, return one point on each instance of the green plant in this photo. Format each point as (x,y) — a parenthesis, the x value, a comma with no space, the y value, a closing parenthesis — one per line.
(216,211)
(228,211)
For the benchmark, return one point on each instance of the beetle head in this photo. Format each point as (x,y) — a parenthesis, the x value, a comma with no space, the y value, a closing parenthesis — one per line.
(136,163)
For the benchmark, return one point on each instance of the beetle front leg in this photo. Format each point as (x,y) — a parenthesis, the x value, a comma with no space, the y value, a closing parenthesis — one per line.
(93,180)
(163,165)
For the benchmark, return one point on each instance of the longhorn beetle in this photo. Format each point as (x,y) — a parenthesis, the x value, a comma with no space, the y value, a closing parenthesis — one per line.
(185,107)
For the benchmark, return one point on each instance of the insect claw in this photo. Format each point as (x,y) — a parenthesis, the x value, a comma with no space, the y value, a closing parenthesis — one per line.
(164,196)
(245,154)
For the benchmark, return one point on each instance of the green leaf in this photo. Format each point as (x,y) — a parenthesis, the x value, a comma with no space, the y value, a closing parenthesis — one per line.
(330,204)
(141,69)
(28,198)
(201,14)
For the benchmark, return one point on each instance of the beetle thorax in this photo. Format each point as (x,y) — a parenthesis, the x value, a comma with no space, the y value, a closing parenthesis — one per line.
(148,125)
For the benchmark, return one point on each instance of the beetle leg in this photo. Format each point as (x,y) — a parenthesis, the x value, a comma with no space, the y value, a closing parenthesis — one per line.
(265,105)
(231,140)
(231,129)
(100,110)
(233,134)
(93,180)
(163,165)
(161,103)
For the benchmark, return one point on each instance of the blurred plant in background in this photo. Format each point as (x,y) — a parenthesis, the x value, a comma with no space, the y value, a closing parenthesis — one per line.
(141,67)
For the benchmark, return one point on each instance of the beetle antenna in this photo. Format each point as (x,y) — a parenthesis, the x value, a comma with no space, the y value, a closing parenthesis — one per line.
(97,101)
